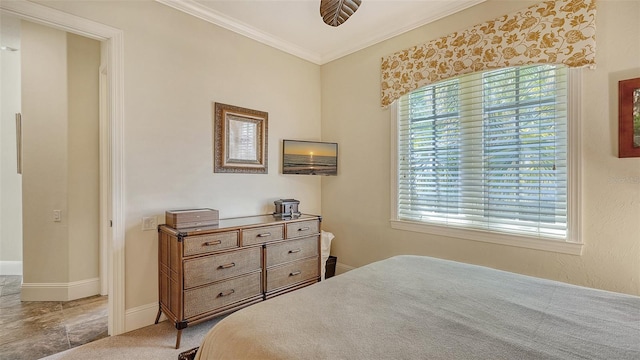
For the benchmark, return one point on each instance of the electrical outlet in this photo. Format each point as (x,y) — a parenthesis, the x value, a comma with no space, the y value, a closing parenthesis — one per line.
(149,223)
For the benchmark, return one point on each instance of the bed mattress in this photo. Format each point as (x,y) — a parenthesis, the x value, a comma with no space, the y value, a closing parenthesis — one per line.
(414,307)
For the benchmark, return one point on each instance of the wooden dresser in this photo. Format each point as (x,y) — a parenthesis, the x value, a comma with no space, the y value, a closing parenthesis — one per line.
(209,271)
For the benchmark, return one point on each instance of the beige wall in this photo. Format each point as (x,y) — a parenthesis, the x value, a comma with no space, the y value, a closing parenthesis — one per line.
(10,180)
(45,163)
(83,62)
(175,66)
(356,204)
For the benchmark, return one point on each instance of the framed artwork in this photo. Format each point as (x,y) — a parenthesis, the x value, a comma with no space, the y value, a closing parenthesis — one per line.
(240,140)
(309,157)
(629,118)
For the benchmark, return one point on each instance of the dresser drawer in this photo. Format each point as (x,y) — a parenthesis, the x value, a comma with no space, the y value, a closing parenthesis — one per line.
(292,273)
(201,244)
(262,235)
(213,268)
(208,298)
(292,250)
(302,228)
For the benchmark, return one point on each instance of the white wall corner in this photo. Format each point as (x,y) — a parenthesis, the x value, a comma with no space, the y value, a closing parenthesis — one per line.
(141,316)
(11,268)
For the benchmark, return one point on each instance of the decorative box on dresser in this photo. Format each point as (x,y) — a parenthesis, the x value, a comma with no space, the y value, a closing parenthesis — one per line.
(208,271)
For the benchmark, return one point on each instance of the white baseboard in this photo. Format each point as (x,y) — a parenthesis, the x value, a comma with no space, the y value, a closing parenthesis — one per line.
(343,268)
(44,292)
(11,268)
(60,291)
(84,288)
(141,316)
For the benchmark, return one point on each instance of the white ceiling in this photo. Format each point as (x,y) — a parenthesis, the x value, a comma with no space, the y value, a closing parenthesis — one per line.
(295,26)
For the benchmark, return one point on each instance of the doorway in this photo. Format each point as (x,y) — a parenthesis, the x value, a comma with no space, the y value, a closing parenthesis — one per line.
(111,189)
(60,163)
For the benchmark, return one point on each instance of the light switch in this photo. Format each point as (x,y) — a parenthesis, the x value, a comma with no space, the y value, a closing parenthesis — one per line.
(57,215)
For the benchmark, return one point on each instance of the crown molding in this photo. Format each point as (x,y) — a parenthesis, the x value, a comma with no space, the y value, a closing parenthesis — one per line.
(194,8)
(449,9)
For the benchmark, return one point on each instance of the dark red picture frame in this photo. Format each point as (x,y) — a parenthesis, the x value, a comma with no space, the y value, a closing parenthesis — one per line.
(626,104)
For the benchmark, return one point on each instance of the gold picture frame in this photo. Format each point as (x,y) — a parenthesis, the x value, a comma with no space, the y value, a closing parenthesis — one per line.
(240,140)
(629,118)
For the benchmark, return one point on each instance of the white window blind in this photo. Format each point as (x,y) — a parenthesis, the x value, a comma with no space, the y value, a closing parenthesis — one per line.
(487,151)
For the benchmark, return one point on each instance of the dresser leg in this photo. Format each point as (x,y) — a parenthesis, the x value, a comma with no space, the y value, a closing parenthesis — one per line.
(178,338)
(159,313)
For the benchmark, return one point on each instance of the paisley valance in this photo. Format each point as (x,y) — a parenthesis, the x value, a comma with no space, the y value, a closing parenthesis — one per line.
(554,32)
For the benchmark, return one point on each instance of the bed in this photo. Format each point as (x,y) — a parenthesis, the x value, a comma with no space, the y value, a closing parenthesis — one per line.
(414,307)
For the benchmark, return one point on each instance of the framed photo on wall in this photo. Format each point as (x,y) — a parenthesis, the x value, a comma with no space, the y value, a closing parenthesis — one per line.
(240,140)
(629,118)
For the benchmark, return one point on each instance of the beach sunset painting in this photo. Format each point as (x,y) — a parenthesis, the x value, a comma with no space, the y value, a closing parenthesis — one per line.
(309,157)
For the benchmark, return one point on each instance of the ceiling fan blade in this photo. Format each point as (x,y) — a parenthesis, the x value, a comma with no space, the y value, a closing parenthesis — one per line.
(335,12)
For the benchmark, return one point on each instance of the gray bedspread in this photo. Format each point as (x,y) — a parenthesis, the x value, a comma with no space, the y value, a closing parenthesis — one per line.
(412,307)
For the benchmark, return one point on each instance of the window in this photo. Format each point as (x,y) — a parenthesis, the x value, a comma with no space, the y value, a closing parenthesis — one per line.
(490,156)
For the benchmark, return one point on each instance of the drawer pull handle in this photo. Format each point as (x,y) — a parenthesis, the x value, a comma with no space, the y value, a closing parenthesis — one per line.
(264,234)
(226,293)
(212,243)
(294,251)
(295,273)
(226,266)
(304,228)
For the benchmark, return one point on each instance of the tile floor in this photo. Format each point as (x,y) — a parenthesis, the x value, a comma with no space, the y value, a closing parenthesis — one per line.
(34,329)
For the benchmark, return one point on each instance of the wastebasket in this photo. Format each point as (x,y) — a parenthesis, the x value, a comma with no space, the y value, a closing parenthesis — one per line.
(330,269)
(325,249)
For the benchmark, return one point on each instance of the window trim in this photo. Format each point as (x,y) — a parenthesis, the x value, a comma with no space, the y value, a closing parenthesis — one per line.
(573,245)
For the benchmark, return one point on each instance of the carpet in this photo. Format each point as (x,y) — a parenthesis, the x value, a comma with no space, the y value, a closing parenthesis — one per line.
(154,342)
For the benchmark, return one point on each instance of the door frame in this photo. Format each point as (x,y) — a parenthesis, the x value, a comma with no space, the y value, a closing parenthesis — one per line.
(105,188)
(111,141)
